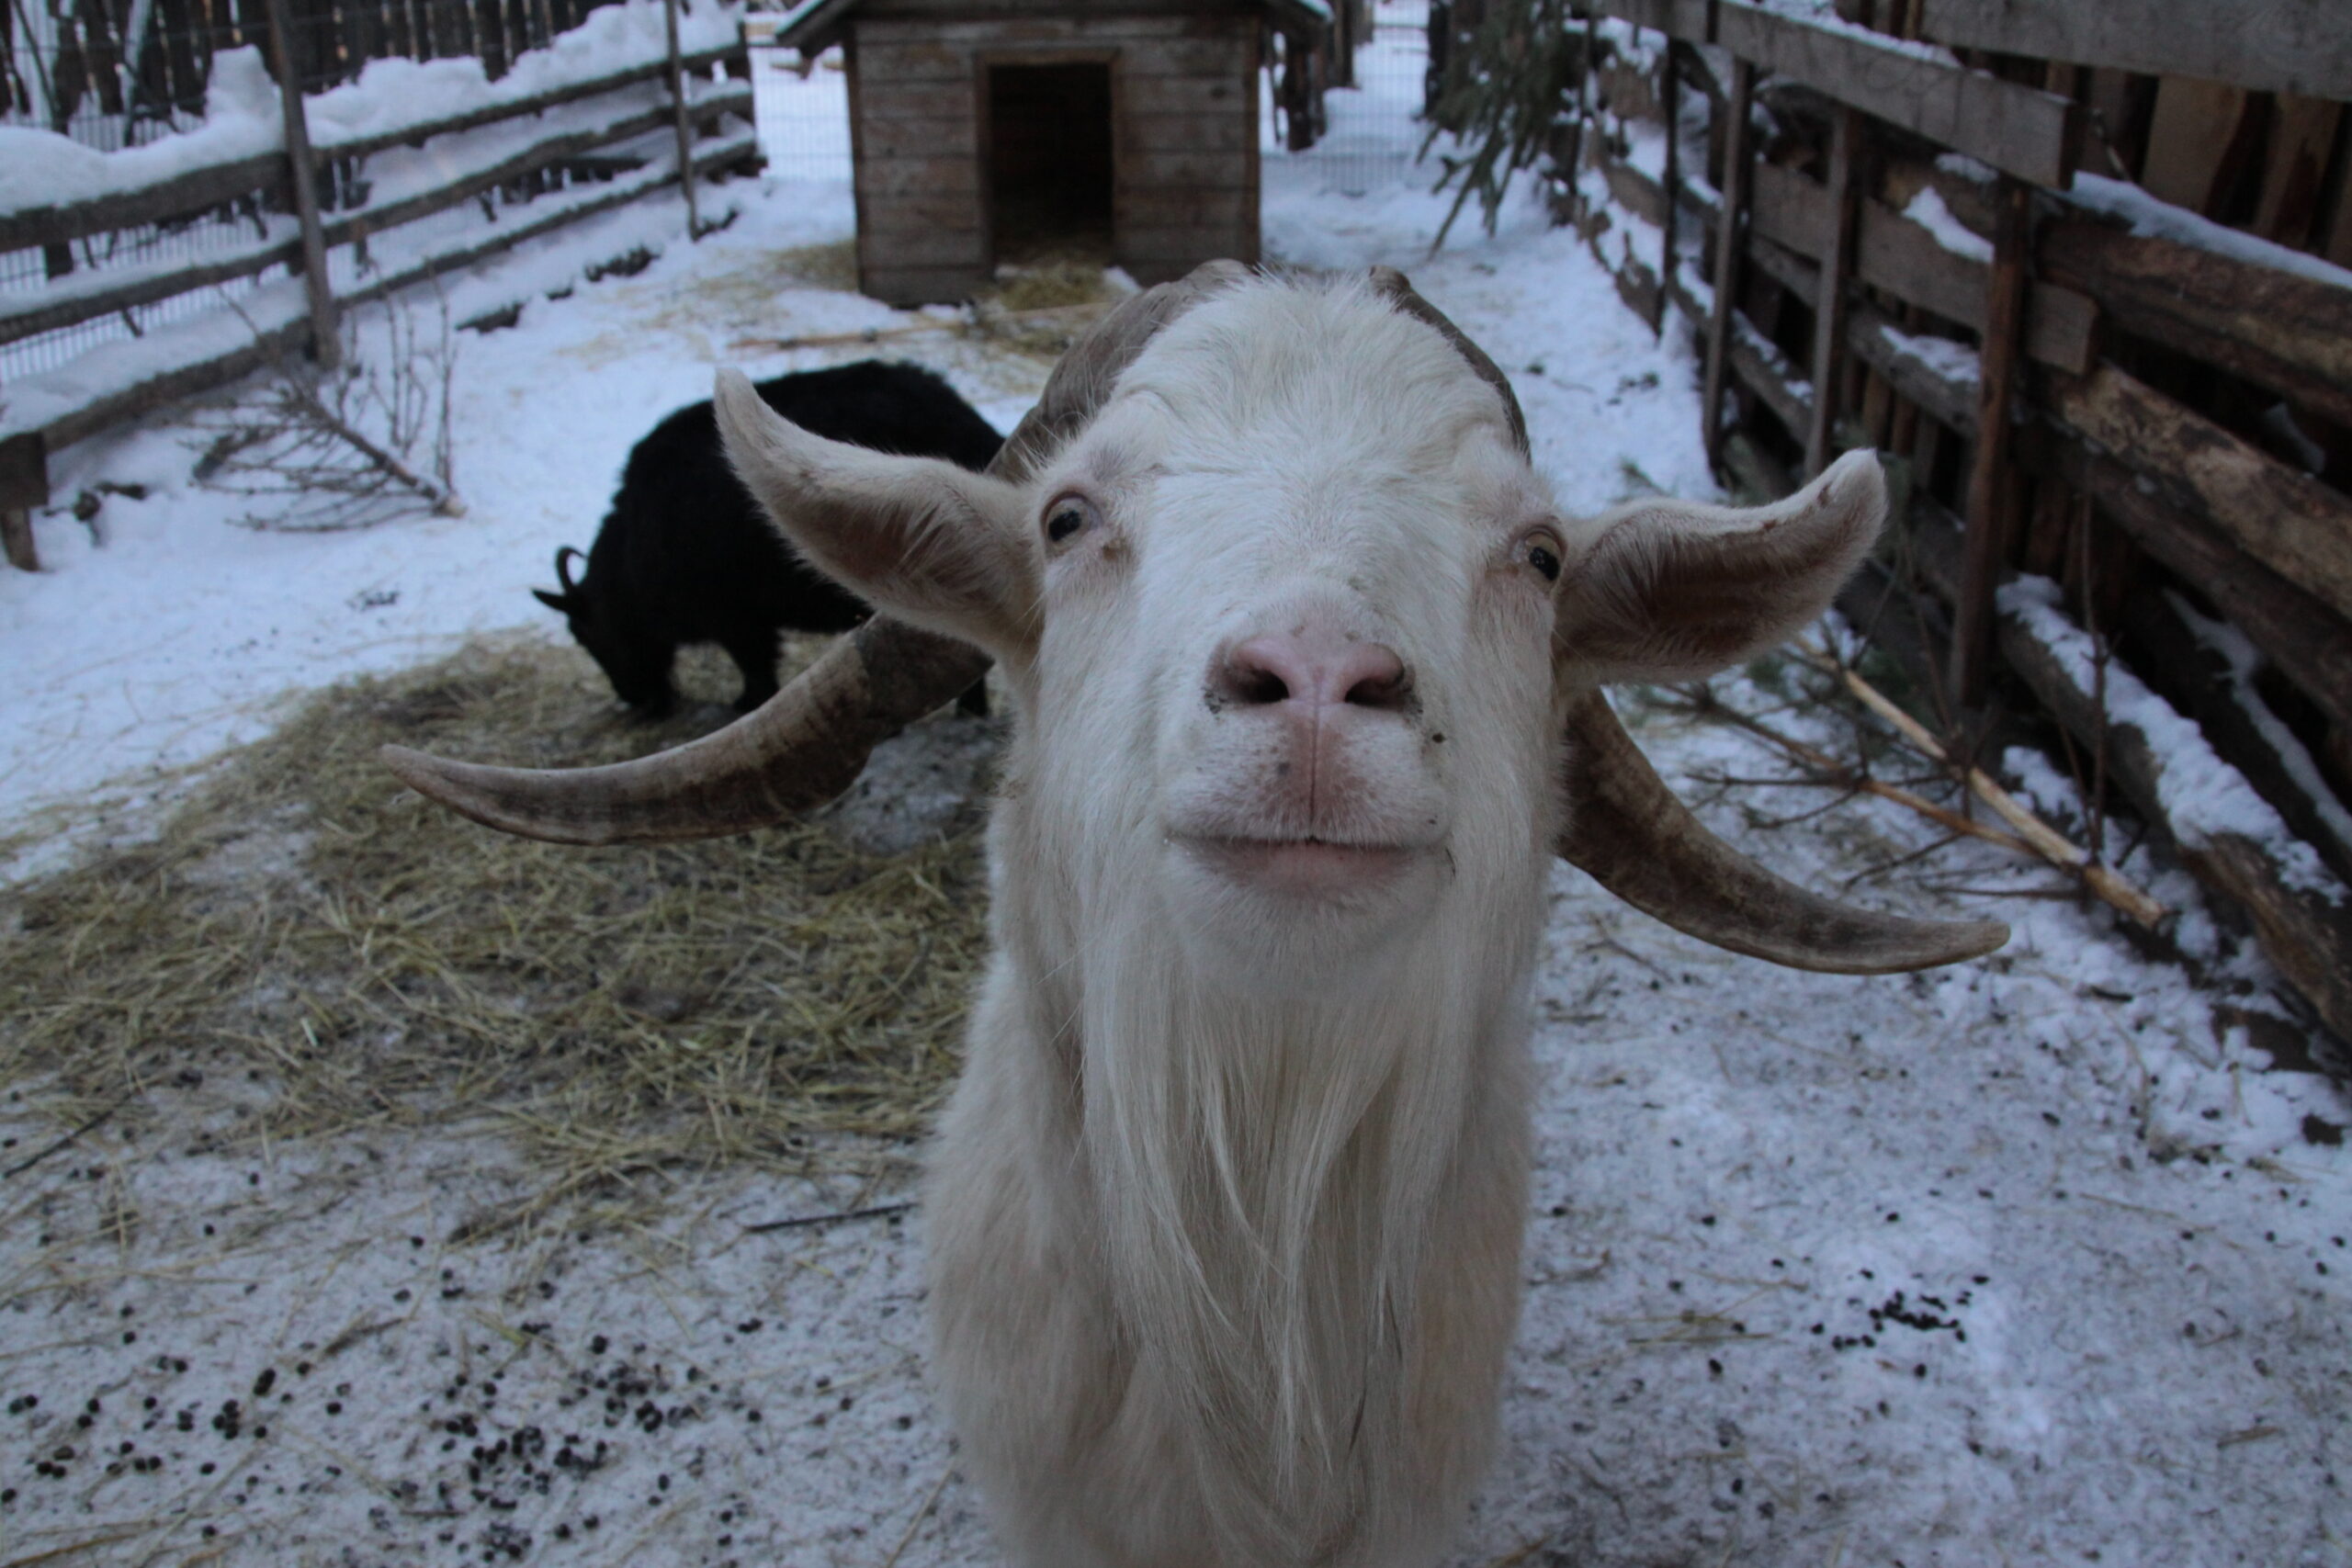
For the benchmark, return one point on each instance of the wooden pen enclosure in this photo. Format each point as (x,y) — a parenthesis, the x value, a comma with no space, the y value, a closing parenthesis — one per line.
(984,134)
(2079,273)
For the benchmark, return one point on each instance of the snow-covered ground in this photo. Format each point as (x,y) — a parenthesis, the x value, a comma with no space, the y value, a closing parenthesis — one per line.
(2031,1261)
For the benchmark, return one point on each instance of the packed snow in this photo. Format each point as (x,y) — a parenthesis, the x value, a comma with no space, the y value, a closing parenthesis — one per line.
(1949,359)
(1927,209)
(46,168)
(2203,796)
(242,117)
(2154,218)
(2039,1260)
(2245,663)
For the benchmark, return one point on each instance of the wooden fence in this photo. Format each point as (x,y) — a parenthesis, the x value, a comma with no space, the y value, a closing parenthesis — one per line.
(68,67)
(595,144)
(2089,314)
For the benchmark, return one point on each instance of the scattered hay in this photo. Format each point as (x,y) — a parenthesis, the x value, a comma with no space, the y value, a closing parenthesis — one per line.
(318,948)
(1039,310)
(1051,284)
(747,294)
(830,266)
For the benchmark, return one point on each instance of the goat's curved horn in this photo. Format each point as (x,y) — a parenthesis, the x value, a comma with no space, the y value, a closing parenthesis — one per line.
(1632,834)
(564,557)
(1398,289)
(809,741)
(804,746)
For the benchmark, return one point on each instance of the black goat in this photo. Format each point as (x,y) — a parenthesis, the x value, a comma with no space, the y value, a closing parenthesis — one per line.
(686,556)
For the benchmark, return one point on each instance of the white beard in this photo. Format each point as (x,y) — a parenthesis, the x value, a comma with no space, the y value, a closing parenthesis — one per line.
(1276,1239)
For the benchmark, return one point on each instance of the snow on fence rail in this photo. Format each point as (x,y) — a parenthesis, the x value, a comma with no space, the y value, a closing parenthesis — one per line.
(603,116)
(1882,243)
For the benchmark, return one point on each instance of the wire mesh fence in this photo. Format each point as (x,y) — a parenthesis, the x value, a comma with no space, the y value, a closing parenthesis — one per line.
(1374,130)
(113,73)
(804,114)
(116,74)
(193,240)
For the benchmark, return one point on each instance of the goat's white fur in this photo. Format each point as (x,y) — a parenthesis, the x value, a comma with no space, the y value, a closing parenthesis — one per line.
(1225,1216)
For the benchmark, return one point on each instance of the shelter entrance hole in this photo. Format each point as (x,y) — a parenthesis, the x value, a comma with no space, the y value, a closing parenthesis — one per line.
(1050,162)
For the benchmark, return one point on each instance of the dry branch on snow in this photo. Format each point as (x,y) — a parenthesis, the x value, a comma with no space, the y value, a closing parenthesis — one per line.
(351,446)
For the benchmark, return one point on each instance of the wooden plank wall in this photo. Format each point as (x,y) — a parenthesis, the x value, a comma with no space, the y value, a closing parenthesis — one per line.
(1188,156)
(2176,447)
(1184,107)
(2292,46)
(915,148)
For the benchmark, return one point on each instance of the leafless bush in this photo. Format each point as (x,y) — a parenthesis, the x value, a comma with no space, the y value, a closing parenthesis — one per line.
(353,446)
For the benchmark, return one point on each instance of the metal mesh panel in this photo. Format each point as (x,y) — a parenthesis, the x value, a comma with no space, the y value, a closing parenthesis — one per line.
(1374,128)
(62,68)
(804,114)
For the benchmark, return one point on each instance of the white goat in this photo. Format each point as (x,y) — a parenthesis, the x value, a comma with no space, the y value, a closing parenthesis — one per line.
(1225,1217)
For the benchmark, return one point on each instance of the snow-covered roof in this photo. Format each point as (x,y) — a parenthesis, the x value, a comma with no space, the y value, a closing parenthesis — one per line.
(811,24)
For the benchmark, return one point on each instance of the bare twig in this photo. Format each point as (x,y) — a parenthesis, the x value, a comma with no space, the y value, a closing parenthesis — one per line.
(345,441)
(1077,315)
(1851,789)
(2097,800)
(1839,773)
(75,1549)
(920,1514)
(876,1211)
(92,1126)
(834,339)
(2045,841)
(1899,862)
(445,501)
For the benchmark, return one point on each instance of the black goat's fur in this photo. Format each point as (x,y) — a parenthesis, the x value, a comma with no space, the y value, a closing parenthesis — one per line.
(686,556)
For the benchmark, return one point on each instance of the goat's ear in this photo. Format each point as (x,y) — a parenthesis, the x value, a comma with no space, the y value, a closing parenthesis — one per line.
(936,546)
(1671,591)
(552,599)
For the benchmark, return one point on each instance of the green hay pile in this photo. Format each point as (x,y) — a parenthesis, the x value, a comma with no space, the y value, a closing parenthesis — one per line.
(321,949)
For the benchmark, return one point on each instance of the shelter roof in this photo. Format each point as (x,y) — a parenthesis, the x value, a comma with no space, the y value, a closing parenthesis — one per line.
(810,26)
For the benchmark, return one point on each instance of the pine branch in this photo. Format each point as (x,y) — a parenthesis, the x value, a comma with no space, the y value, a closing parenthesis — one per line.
(1502,96)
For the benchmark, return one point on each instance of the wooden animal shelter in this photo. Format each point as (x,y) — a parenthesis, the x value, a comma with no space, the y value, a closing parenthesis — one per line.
(986,132)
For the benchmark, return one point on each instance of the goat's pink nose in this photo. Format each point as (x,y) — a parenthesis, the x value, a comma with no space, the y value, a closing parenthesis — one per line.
(1314,668)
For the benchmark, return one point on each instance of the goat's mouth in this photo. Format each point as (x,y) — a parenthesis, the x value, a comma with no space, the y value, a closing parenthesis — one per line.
(1305,866)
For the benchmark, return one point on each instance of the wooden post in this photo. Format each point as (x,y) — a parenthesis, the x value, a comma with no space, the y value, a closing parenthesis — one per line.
(1298,93)
(1728,241)
(684,126)
(16,539)
(1836,272)
(1972,632)
(1588,121)
(1347,24)
(23,484)
(326,340)
(1673,182)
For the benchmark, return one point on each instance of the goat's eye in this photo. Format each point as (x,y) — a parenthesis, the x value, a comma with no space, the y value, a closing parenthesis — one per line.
(1068,517)
(1542,551)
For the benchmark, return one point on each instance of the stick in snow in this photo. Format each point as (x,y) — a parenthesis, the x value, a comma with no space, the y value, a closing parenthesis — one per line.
(2045,841)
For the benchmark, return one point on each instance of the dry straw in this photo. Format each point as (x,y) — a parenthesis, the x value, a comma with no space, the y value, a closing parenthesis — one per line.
(328,950)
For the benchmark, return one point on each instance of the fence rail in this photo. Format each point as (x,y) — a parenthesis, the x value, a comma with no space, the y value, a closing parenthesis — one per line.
(109,72)
(536,160)
(1882,243)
